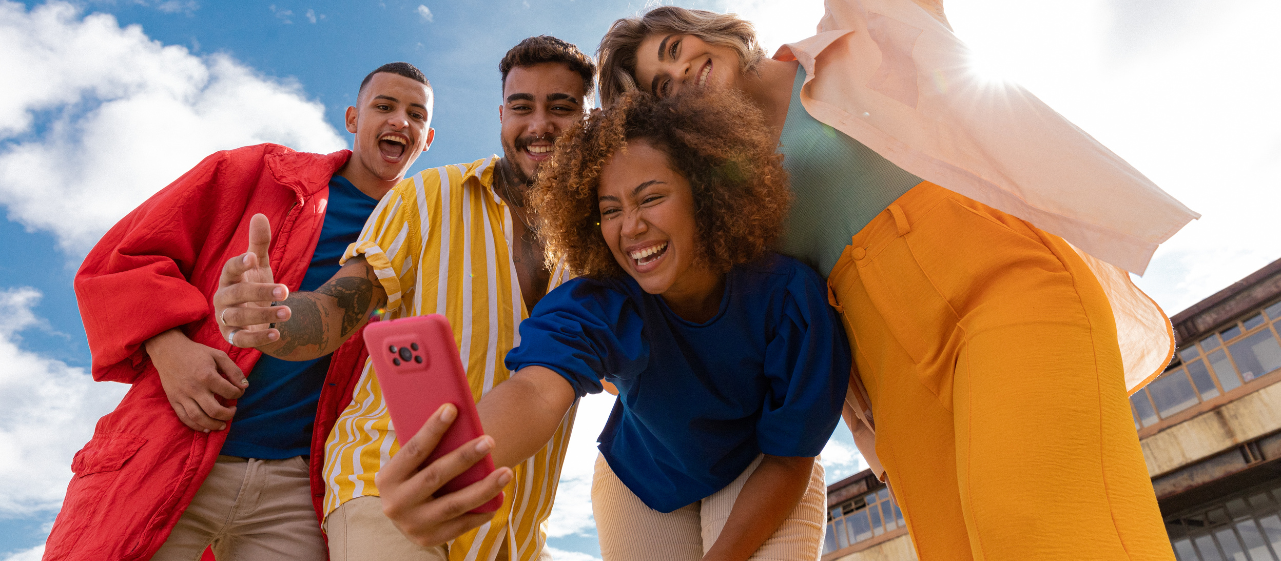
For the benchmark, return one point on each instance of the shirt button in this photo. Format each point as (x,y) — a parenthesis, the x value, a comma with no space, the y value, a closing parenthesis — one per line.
(859,253)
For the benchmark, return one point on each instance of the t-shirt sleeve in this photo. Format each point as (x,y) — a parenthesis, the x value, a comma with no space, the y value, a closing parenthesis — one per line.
(585,331)
(807,364)
(390,242)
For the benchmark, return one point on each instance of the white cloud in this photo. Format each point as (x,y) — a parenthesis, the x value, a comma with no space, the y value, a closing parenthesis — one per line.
(560,555)
(572,513)
(840,458)
(285,16)
(94,118)
(311,15)
(425,12)
(50,414)
(776,22)
(33,554)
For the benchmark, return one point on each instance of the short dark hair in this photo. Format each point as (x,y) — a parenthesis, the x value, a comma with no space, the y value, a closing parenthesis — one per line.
(399,68)
(545,48)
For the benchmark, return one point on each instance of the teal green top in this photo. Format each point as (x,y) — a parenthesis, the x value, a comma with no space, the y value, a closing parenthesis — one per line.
(838,186)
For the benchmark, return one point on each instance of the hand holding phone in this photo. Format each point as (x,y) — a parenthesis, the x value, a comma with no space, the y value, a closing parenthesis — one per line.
(419,370)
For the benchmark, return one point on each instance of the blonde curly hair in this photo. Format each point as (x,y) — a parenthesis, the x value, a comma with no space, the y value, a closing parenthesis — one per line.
(717,140)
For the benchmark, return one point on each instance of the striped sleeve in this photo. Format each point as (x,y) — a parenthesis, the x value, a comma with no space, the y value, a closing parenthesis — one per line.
(390,240)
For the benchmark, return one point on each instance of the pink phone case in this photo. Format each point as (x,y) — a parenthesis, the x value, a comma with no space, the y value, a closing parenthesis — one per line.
(417,365)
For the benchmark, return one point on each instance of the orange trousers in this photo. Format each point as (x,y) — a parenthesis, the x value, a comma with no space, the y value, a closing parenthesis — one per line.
(989,353)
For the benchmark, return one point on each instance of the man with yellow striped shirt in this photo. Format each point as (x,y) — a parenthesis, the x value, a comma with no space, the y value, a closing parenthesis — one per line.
(453,240)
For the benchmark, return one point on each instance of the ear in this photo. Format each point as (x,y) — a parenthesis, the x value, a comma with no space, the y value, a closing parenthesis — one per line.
(500,112)
(351,119)
(431,135)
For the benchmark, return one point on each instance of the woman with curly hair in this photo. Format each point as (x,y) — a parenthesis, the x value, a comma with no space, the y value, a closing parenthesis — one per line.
(993,356)
(730,365)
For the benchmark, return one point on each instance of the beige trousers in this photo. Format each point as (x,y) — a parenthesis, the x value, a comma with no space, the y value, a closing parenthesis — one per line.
(630,530)
(359,531)
(249,510)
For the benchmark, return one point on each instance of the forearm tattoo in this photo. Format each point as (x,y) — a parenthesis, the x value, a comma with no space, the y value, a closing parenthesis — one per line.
(318,324)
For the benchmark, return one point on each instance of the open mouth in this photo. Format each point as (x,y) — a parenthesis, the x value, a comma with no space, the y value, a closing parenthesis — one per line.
(392,146)
(703,74)
(538,151)
(648,255)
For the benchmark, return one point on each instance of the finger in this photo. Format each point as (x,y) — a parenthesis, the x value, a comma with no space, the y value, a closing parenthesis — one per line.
(241,293)
(222,387)
(230,372)
(260,238)
(181,412)
(416,450)
(211,408)
(246,339)
(459,502)
(233,271)
(197,417)
(253,315)
(427,482)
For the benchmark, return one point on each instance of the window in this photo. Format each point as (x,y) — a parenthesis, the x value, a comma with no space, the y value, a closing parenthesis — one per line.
(1215,365)
(1245,526)
(862,519)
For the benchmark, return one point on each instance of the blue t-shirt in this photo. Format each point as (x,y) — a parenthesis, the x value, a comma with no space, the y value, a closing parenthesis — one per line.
(275,416)
(698,402)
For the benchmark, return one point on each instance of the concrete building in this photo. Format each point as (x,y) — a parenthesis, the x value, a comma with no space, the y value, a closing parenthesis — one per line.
(1210,428)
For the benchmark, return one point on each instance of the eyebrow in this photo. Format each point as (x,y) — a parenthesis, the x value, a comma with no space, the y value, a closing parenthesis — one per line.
(635,190)
(550,97)
(394,100)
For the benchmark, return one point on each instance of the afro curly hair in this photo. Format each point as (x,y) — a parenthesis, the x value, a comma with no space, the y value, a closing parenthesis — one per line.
(717,140)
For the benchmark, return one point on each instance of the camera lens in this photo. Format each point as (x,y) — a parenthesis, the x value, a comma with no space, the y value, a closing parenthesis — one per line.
(406,354)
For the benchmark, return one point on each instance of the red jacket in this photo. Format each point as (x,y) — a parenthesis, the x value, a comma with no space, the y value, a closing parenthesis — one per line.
(157,269)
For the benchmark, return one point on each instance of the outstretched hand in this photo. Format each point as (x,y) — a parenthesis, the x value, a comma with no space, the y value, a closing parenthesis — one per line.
(408,488)
(243,304)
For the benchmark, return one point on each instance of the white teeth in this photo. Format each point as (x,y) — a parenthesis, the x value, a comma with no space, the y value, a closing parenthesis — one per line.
(396,139)
(638,255)
(702,78)
(539,149)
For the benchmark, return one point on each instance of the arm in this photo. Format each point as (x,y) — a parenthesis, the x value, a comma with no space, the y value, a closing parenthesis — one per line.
(136,283)
(309,324)
(194,378)
(766,500)
(522,413)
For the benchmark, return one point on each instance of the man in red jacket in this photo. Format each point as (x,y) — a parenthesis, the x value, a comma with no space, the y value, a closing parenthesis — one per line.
(177,467)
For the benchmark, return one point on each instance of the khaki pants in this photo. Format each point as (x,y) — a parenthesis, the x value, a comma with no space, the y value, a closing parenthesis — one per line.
(630,530)
(249,510)
(359,531)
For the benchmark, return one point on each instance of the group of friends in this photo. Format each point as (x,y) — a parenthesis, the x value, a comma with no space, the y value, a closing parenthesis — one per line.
(744,248)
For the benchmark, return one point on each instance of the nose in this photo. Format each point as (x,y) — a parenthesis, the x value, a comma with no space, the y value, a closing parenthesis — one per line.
(542,124)
(634,224)
(398,120)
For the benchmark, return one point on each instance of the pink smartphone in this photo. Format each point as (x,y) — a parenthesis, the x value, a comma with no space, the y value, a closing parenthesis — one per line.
(417,365)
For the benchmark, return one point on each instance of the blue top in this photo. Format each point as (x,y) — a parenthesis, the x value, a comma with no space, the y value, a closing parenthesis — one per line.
(839,185)
(698,402)
(275,416)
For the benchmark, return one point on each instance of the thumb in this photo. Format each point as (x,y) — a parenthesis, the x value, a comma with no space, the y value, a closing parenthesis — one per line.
(260,238)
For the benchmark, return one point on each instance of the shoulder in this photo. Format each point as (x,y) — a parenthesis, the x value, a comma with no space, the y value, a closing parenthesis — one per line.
(453,178)
(778,270)
(586,292)
(778,285)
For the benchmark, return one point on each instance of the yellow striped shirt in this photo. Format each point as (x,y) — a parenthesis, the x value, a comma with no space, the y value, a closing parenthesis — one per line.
(440,242)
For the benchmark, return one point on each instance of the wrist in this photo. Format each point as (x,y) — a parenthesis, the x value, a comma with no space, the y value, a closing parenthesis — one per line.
(163,340)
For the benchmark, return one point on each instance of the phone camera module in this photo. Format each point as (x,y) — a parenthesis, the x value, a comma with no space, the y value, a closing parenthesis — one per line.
(406,355)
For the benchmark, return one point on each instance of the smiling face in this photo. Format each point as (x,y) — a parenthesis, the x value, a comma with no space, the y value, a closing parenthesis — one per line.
(668,63)
(539,102)
(392,124)
(648,221)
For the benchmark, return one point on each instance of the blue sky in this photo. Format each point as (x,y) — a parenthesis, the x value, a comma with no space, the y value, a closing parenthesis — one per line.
(107,101)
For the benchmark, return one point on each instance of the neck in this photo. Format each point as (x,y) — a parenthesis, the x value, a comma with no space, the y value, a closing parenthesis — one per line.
(698,299)
(368,183)
(508,189)
(769,87)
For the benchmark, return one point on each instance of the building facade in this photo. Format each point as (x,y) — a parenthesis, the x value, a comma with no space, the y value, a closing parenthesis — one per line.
(1210,428)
